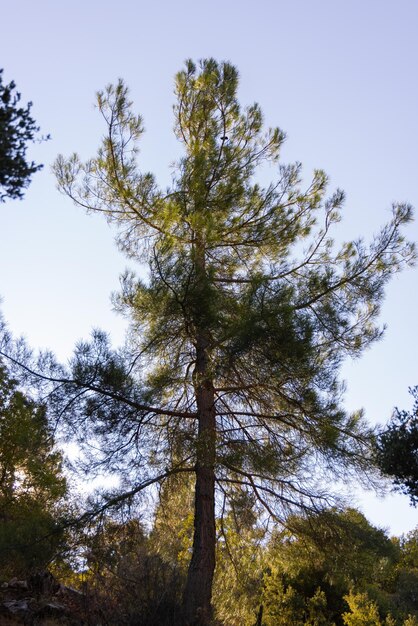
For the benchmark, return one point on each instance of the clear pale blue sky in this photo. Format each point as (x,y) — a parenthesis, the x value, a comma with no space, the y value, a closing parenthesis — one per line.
(339,77)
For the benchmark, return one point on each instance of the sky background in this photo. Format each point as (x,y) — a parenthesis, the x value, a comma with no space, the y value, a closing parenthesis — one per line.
(339,77)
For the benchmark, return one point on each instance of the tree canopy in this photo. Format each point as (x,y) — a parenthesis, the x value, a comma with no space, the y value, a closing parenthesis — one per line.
(231,368)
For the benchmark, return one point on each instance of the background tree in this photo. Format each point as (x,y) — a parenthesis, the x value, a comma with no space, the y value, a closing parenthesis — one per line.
(17,129)
(324,557)
(239,329)
(32,485)
(405,576)
(397,450)
(172,528)
(324,570)
(240,561)
(127,579)
(339,569)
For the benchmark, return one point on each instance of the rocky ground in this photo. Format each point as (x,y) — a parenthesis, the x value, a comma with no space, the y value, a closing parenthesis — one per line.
(43,601)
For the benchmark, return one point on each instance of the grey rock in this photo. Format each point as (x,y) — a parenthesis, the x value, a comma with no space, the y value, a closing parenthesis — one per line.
(17,606)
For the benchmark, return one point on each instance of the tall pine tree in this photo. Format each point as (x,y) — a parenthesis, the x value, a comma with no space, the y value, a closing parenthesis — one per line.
(239,329)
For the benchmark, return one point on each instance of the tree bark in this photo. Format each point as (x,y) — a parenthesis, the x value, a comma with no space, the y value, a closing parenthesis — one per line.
(198,590)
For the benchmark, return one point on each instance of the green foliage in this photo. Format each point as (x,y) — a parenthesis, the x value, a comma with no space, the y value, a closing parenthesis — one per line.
(239,570)
(363,612)
(328,554)
(128,580)
(317,610)
(347,548)
(405,576)
(31,483)
(171,535)
(17,128)
(283,605)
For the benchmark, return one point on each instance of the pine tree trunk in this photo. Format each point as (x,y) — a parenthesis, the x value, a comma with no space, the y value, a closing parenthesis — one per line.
(198,591)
